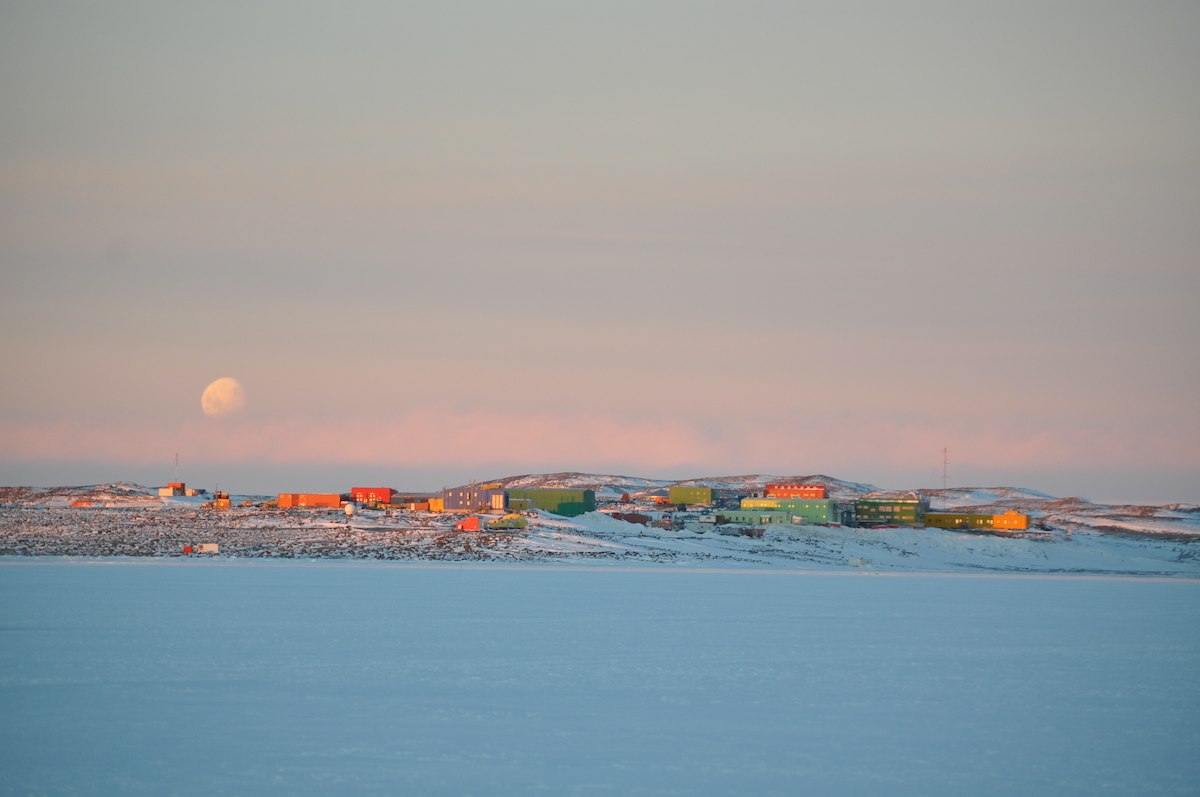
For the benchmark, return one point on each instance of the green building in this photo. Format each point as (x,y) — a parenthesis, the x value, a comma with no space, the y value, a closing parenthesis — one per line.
(692,495)
(814,510)
(904,510)
(559,501)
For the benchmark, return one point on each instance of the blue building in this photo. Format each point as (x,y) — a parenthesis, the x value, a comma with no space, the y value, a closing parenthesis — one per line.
(474,498)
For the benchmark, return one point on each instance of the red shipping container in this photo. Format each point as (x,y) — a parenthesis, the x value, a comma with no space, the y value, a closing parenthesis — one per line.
(188,549)
(470,524)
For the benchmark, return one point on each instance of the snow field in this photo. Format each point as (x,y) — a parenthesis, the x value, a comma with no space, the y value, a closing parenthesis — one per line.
(480,679)
(594,537)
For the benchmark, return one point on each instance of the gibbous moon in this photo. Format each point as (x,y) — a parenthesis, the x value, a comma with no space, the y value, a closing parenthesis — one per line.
(223,397)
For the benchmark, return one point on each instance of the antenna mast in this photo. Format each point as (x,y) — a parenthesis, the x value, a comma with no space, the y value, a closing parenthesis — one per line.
(945,464)
(176,466)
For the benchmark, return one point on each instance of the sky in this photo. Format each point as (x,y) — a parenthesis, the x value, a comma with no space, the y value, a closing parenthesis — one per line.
(436,242)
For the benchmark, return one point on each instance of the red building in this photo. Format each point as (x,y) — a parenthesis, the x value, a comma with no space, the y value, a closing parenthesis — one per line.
(371,495)
(796,491)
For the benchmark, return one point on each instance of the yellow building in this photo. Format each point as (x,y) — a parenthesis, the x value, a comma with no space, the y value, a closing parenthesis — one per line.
(947,520)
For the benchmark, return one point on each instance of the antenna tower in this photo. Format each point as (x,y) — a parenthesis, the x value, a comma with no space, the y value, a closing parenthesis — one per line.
(945,464)
(177,466)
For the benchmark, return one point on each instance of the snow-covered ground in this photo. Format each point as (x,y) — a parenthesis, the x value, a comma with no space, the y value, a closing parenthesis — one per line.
(1068,535)
(164,531)
(895,549)
(267,677)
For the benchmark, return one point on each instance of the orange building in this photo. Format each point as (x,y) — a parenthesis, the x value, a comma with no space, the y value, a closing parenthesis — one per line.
(1011,519)
(327,500)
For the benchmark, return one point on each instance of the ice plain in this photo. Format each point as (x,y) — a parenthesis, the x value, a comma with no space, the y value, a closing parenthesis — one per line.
(158,676)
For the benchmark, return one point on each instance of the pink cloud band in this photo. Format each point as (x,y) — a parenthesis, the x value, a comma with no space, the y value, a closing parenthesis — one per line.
(431,437)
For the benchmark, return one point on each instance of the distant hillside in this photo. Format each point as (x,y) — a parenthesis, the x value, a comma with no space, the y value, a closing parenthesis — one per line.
(118,493)
(601,483)
(637,486)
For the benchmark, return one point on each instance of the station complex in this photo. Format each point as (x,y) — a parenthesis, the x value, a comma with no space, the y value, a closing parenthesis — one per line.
(792,504)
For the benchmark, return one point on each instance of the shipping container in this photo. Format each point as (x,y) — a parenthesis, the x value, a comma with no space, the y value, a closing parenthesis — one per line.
(568,503)
(468,524)
(371,495)
(289,500)
(796,491)
(435,505)
(692,495)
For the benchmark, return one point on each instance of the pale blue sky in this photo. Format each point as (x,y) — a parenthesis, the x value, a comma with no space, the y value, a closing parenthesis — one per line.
(801,237)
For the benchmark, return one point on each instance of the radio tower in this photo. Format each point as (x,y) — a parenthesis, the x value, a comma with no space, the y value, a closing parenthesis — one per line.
(945,464)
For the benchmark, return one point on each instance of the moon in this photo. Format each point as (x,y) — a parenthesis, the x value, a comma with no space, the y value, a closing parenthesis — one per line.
(223,397)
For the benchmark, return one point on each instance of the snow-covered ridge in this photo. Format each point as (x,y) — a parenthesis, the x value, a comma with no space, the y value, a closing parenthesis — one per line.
(117,492)
(582,481)
(637,486)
